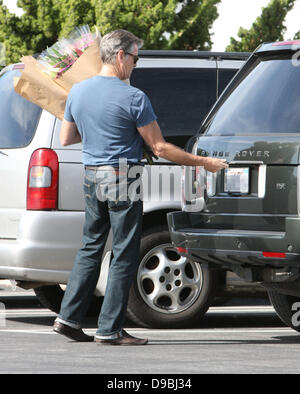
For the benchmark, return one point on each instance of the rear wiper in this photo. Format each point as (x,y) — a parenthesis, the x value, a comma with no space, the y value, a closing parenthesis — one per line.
(2,153)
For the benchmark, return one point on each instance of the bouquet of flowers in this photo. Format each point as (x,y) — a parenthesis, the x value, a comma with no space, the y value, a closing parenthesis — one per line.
(47,80)
(63,54)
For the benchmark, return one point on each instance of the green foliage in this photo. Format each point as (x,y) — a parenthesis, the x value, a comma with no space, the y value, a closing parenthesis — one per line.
(8,37)
(30,33)
(147,19)
(267,28)
(297,36)
(162,24)
(74,13)
(40,26)
(192,25)
(165,24)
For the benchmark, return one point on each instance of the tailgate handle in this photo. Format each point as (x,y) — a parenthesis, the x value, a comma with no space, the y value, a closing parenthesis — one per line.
(245,162)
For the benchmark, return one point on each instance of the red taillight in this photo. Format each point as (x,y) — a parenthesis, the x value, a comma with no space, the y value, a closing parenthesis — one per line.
(282,43)
(274,255)
(42,182)
(181,250)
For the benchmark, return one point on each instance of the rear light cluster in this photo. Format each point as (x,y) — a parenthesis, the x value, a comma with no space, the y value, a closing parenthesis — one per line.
(283,43)
(211,183)
(192,186)
(274,255)
(182,250)
(42,182)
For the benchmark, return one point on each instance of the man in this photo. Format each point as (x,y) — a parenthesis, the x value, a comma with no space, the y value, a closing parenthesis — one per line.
(111,119)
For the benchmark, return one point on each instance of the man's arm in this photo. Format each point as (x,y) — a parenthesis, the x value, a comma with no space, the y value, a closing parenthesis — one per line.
(69,134)
(152,135)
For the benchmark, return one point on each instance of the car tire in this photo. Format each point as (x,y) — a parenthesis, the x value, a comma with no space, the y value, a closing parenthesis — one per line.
(51,297)
(283,305)
(169,291)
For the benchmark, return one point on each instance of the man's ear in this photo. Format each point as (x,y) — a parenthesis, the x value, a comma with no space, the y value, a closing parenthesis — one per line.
(121,55)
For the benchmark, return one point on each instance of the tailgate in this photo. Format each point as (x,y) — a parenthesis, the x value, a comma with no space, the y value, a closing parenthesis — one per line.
(262,177)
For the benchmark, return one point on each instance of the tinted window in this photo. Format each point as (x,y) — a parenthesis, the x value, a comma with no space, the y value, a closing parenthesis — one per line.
(18,116)
(225,76)
(267,100)
(181,97)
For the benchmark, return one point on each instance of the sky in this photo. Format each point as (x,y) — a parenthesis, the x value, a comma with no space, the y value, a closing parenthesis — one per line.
(232,15)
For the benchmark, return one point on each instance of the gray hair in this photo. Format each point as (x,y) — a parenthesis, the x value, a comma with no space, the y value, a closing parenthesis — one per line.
(116,40)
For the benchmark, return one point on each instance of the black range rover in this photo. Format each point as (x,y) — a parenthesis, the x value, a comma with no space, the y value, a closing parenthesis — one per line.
(247,218)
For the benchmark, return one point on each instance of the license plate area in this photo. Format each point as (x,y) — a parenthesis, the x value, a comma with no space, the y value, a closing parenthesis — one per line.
(236,180)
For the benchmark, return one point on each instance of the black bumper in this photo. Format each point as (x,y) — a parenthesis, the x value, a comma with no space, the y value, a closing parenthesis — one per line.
(228,246)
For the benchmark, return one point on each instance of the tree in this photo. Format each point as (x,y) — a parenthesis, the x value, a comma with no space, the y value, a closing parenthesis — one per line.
(9,26)
(267,28)
(165,24)
(30,33)
(297,36)
(162,24)
(147,19)
(193,23)
(40,26)
(74,13)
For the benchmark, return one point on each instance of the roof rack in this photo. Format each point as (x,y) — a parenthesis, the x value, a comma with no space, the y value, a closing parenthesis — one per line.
(195,54)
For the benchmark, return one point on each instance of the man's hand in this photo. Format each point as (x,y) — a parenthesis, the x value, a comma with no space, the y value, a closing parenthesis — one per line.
(148,154)
(214,165)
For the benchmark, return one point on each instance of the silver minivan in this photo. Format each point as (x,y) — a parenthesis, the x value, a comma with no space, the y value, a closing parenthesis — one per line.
(41,197)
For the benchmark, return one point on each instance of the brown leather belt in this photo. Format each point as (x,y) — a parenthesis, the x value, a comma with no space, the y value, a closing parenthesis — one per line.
(115,170)
(101,168)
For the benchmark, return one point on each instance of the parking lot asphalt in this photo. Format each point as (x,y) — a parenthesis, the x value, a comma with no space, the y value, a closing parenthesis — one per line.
(231,339)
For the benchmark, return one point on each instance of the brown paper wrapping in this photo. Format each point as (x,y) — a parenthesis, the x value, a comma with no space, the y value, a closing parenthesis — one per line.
(40,89)
(88,65)
(37,87)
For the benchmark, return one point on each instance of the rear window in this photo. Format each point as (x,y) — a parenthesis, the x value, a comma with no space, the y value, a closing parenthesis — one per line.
(181,97)
(267,100)
(19,117)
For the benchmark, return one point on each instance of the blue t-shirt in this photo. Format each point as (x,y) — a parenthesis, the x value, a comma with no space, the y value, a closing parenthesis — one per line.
(107,112)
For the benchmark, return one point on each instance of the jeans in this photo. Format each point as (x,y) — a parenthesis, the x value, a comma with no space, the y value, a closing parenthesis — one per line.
(107,205)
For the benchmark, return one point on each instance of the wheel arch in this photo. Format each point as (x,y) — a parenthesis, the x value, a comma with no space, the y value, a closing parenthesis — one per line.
(155,218)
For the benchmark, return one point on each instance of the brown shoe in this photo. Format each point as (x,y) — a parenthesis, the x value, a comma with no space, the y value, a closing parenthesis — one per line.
(76,334)
(124,339)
